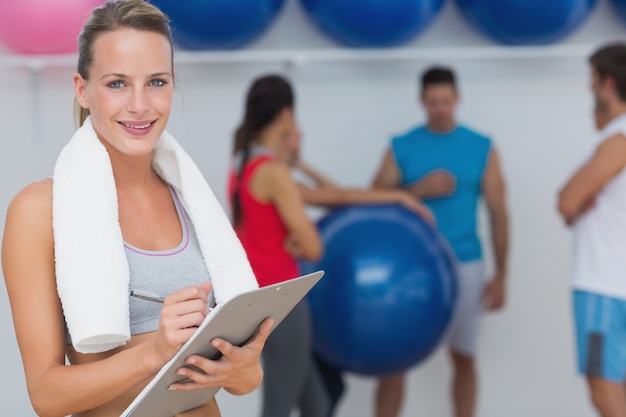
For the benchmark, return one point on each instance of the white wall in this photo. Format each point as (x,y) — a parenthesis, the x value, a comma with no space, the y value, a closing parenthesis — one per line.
(537,111)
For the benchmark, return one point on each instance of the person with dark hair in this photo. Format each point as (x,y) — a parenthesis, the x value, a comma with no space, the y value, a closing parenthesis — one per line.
(438,75)
(275,231)
(270,219)
(450,167)
(126,209)
(593,203)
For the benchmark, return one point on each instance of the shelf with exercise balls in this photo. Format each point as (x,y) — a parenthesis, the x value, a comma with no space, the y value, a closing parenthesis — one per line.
(218,24)
(526,22)
(372,23)
(34,28)
(389,291)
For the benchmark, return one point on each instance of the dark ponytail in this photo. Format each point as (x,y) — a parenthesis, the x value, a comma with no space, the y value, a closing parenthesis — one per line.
(266,98)
(243,138)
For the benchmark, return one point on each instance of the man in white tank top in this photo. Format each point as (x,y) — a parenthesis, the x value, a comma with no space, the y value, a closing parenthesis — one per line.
(593,202)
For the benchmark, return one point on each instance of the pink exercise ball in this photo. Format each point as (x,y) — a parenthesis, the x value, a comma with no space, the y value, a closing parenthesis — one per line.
(43,26)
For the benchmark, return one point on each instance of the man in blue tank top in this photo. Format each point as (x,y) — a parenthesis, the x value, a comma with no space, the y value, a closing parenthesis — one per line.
(450,167)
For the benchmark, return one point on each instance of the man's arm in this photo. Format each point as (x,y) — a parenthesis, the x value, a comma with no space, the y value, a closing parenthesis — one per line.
(578,195)
(388,175)
(437,183)
(494,190)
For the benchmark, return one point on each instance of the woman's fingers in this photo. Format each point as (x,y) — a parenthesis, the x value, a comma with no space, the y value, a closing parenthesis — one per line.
(182,313)
(238,369)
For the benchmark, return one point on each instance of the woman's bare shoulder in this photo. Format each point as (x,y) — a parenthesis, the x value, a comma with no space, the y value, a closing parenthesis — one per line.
(32,202)
(275,171)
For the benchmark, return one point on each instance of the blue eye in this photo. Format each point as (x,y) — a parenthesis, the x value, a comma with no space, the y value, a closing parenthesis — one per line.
(116,84)
(157,82)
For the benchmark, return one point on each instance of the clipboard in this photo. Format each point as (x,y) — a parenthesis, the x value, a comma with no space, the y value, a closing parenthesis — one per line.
(235,321)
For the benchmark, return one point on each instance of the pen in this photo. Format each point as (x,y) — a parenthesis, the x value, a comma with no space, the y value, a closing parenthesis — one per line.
(146,295)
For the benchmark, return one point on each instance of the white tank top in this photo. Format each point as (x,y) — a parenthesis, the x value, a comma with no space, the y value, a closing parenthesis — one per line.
(600,234)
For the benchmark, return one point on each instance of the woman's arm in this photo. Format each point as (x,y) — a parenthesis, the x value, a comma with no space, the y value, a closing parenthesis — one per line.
(273,183)
(56,389)
(328,194)
(321,181)
(332,197)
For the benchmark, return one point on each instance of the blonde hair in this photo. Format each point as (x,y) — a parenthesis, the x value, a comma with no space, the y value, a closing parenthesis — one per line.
(112,16)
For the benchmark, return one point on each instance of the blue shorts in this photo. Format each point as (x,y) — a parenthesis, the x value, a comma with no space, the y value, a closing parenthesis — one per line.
(600,335)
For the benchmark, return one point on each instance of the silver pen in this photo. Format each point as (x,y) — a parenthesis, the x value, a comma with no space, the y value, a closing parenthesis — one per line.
(147,295)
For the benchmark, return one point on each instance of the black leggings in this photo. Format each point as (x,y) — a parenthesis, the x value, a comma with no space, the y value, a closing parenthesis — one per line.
(292,380)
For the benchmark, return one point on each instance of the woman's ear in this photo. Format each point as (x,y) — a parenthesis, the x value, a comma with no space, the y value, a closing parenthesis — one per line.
(286,115)
(610,82)
(79,90)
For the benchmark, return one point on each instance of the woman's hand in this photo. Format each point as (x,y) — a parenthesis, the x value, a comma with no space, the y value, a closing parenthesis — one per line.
(414,204)
(183,311)
(292,246)
(238,370)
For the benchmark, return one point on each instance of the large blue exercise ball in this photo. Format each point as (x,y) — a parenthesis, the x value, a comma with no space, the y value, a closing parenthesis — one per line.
(218,24)
(620,7)
(372,23)
(389,290)
(526,22)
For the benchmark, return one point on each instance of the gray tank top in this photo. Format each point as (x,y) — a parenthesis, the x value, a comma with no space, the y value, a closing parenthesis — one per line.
(162,273)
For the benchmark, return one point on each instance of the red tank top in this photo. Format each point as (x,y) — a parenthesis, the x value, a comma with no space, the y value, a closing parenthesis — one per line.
(261,230)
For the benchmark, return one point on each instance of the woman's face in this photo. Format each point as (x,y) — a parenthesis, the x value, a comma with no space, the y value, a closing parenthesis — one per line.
(291,141)
(129,91)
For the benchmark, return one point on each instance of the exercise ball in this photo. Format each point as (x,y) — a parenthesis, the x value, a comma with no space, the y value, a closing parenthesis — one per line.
(526,22)
(620,7)
(372,23)
(43,27)
(389,290)
(218,24)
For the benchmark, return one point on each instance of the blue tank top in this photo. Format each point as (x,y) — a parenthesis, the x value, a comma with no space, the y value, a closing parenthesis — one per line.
(463,153)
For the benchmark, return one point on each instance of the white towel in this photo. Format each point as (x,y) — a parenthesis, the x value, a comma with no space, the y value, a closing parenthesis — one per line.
(91,268)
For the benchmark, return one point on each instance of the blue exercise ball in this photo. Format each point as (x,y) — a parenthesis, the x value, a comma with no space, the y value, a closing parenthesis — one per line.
(372,23)
(620,7)
(526,22)
(389,291)
(218,24)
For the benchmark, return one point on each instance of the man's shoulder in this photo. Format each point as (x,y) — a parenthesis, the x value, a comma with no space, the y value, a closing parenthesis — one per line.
(473,135)
(410,134)
(616,127)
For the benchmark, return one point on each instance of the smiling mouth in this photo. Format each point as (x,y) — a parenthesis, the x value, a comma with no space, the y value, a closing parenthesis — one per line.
(138,126)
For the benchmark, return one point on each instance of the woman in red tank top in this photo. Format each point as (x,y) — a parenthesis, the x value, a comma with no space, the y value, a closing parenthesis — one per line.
(270,219)
(268,211)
